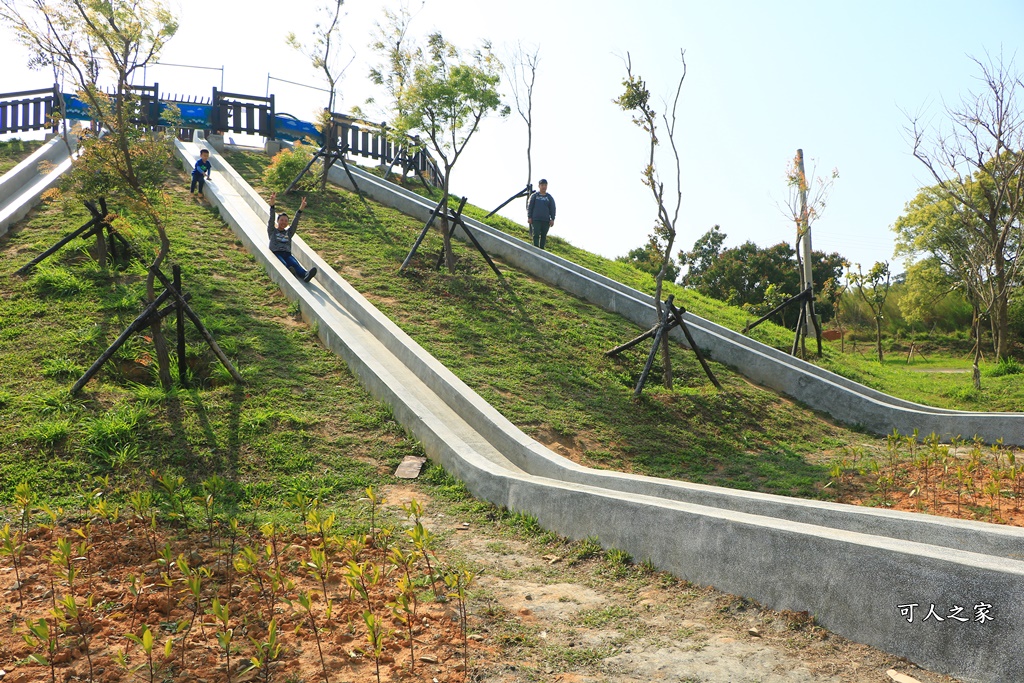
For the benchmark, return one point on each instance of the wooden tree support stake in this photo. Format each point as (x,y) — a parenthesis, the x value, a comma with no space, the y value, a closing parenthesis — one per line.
(455,218)
(144,319)
(96,226)
(180,306)
(802,298)
(798,299)
(330,157)
(671,317)
(678,315)
(525,192)
(180,328)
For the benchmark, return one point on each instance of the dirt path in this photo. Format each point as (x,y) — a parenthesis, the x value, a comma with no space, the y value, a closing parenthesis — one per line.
(548,610)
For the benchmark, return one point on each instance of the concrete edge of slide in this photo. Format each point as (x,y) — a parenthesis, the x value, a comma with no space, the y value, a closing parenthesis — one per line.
(854,583)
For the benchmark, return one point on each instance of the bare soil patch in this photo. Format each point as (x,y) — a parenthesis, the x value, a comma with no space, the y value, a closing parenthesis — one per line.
(540,613)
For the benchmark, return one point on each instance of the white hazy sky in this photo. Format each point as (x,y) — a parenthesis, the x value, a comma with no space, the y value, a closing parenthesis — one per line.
(765,78)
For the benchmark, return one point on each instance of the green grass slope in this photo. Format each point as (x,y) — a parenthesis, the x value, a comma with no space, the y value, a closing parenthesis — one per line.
(301,422)
(14,151)
(537,354)
(942,380)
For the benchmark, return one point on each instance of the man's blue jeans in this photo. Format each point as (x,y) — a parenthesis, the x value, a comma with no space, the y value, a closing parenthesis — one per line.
(289,261)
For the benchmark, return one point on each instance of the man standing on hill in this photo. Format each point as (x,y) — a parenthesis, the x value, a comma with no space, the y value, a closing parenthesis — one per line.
(541,213)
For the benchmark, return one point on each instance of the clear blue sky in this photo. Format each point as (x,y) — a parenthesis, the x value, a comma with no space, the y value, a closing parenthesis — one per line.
(764,79)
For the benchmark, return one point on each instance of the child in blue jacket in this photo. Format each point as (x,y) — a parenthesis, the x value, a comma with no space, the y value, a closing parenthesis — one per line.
(201,173)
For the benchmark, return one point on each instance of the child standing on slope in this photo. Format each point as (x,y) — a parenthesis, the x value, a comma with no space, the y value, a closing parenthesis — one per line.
(280,235)
(201,173)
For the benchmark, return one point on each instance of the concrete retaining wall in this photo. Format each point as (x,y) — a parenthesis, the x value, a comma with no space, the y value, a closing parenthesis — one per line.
(853,582)
(839,397)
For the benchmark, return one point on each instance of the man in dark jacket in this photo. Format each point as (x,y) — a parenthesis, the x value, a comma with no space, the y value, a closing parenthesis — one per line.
(281,239)
(541,213)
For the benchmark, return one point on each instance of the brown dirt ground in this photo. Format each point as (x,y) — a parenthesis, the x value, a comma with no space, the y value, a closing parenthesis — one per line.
(540,610)
(539,614)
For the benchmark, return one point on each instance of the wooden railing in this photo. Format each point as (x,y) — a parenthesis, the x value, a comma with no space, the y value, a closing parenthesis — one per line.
(30,110)
(371,141)
(236,113)
(227,112)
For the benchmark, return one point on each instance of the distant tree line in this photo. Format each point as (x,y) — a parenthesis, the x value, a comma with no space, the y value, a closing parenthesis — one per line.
(751,277)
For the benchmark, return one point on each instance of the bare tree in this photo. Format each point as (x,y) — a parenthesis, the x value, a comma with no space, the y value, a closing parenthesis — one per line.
(521,73)
(636,99)
(322,50)
(977,161)
(398,53)
(805,204)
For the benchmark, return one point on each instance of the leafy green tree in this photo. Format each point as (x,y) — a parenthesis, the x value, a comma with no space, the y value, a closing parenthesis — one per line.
(648,258)
(743,275)
(446,99)
(971,219)
(702,257)
(956,252)
(873,288)
(87,41)
(932,297)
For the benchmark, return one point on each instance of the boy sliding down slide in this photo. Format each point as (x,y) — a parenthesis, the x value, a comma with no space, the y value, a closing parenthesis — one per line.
(201,172)
(281,239)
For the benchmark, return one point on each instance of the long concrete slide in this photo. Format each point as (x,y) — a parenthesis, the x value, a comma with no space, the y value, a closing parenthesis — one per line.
(23,185)
(841,398)
(852,568)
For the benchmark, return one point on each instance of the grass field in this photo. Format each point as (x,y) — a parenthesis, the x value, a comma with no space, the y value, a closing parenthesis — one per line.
(13,151)
(302,422)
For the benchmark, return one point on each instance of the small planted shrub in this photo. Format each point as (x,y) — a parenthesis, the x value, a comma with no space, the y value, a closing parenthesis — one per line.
(216,588)
(286,166)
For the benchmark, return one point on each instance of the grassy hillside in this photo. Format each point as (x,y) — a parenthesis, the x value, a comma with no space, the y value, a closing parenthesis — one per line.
(536,353)
(13,151)
(941,379)
(301,421)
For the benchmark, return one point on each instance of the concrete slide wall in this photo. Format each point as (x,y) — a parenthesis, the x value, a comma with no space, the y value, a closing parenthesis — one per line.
(23,185)
(851,568)
(841,398)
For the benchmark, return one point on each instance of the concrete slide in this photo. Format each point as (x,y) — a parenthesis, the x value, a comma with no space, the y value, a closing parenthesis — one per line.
(23,185)
(841,398)
(855,569)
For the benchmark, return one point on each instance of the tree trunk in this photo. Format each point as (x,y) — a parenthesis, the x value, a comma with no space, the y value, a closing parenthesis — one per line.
(101,248)
(163,358)
(1001,328)
(878,337)
(666,362)
(975,370)
(446,233)
(666,359)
